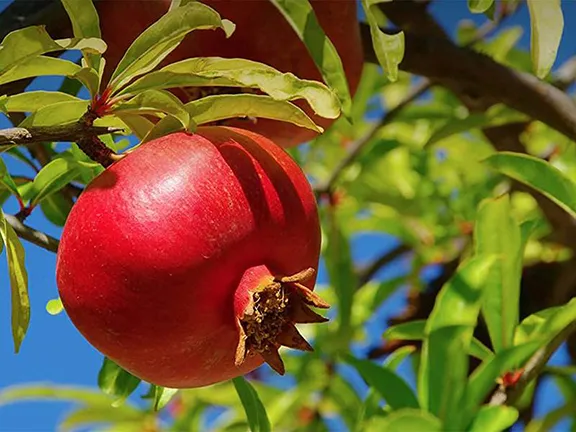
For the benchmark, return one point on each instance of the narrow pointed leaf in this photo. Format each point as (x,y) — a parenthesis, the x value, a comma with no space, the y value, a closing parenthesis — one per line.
(497,232)
(21,45)
(34,100)
(162,37)
(85,24)
(117,382)
(160,396)
(18,282)
(255,411)
(539,175)
(408,419)
(57,114)
(494,419)
(302,18)
(414,331)
(546,24)
(220,107)
(51,178)
(40,66)
(546,323)
(389,49)
(156,101)
(6,180)
(449,330)
(393,389)
(216,71)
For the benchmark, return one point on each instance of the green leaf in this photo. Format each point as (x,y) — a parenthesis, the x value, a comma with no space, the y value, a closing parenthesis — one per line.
(160,396)
(89,78)
(39,66)
(342,276)
(494,419)
(155,101)
(34,100)
(255,411)
(391,386)
(18,282)
(85,24)
(21,45)
(550,420)
(484,377)
(31,392)
(117,382)
(408,420)
(6,180)
(497,232)
(167,125)
(546,24)
(389,49)
(546,324)
(56,208)
(302,18)
(162,37)
(57,114)
(414,330)
(90,415)
(539,175)
(139,125)
(449,330)
(216,71)
(54,306)
(220,107)
(479,6)
(51,178)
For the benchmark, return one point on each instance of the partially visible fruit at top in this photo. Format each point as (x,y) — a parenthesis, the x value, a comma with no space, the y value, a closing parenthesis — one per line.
(262,34)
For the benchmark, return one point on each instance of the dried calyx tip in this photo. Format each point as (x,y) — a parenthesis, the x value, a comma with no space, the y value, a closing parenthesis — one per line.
(268,321)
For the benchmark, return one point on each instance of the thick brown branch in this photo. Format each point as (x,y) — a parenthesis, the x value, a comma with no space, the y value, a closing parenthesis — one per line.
(32,135)
(29,234)
(477,76)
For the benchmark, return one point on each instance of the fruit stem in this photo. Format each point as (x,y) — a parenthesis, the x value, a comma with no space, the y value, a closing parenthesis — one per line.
(92,145)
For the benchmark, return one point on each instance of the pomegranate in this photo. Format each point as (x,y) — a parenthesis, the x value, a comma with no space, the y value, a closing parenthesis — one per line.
(262,34)
(189,261)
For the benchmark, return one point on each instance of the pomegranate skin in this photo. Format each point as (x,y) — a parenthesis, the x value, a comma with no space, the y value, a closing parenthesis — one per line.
(262,34)
(152,255)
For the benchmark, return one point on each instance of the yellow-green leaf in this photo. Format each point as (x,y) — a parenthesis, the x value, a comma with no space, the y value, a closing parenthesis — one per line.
(18,282)
(220,107)
(547,24)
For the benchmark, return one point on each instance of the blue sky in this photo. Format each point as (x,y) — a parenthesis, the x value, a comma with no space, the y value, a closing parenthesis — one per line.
(54,351)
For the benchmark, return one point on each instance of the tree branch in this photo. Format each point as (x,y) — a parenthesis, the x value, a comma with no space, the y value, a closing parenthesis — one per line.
(365,274)
(71,132)
(532,369)
(33,236)
(477,77)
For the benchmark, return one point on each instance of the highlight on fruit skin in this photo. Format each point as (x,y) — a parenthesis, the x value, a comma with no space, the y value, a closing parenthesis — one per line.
(255,20)
(189,261)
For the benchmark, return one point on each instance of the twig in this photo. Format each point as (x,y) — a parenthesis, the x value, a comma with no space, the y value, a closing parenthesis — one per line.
(357,147)
(33,236)
(532,369)
(476,76)
(39,134)
(367,273)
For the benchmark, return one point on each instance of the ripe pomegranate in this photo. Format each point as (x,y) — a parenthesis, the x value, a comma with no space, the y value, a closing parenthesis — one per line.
(189,261)
(262,34)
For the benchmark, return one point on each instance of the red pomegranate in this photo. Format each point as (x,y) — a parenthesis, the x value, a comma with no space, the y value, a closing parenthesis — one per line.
(188,261)
(262,34)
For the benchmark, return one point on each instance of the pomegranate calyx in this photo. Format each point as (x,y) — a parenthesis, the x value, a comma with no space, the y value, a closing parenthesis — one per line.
(268,321)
